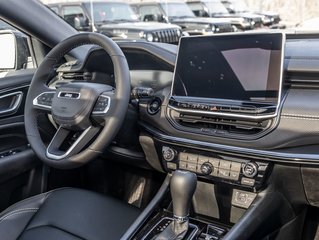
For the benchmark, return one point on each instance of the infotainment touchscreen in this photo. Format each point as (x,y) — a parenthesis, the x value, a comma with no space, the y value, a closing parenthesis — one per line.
(243,67)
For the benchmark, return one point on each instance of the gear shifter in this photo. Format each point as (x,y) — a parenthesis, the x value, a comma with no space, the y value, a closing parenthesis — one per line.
(183,185)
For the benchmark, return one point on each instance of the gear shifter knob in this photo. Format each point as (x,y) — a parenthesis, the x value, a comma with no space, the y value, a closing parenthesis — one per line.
(183,185)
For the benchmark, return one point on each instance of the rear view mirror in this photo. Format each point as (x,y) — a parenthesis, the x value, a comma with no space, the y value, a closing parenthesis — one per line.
(8,51)
(14,51)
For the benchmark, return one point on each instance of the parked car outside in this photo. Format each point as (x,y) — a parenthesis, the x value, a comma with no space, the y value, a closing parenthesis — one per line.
(269,18)
(114,19)
(216,138)
(177,12)
(215,9)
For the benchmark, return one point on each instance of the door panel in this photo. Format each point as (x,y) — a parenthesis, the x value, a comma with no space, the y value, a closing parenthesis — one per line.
(18,164)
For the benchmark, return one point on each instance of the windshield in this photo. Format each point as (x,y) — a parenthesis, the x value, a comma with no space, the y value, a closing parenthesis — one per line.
(111,12)
(4,25)
(215,7)
(177,10)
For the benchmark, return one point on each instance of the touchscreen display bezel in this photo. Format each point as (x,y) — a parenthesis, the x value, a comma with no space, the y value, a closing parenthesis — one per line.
(281,37)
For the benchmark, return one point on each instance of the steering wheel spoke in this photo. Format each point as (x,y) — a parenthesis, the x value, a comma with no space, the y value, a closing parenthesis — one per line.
(67,143)
(44,101)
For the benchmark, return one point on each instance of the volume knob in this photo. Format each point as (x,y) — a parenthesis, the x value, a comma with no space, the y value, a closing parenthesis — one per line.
(206,168)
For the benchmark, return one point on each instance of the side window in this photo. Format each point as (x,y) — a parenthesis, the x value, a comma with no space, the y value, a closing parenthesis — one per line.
(150,13)
(69,13)
(15,54)
(196,8)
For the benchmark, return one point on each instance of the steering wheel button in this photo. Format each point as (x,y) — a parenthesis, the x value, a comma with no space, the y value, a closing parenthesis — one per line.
(103,99)
(101,104)
(99,109)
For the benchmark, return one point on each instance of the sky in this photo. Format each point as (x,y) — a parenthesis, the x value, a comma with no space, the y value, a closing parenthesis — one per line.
(291,11)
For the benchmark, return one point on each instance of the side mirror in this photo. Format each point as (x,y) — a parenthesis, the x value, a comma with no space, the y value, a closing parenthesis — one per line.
(14,51)
(81,24)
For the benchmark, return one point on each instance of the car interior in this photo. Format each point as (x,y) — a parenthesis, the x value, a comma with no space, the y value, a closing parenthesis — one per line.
(216,138)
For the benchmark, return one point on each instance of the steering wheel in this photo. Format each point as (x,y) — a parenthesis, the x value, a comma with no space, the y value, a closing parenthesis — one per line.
(88,115)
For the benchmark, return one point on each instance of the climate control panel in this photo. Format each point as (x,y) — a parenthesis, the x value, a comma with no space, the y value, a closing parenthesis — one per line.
(243,172)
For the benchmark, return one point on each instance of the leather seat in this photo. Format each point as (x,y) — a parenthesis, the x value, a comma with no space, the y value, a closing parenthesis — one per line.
(67,214)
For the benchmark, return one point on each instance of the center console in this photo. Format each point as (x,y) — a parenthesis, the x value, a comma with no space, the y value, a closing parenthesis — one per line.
(225,86)
(246,173)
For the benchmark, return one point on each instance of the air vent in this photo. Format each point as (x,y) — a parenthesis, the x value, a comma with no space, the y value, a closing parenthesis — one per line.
(213,125)
(303,79)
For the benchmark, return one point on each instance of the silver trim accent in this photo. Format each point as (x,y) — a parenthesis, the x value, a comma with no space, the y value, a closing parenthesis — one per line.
(78,97)
(16,104)
(240,116)
(190,237)
(107,107)
(59,157)
(181,219)
(283,35)
(35,101)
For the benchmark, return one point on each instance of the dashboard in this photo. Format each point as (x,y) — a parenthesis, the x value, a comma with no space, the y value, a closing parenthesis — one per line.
(240,140)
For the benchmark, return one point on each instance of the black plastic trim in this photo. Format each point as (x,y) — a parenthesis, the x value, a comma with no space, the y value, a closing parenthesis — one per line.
(273,156)
(148,210)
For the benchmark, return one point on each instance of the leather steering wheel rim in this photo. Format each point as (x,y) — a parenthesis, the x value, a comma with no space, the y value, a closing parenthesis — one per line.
(118,106)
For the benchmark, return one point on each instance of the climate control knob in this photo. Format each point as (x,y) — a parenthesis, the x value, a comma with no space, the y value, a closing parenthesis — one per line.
(250,169)
(206,168)
(168,154)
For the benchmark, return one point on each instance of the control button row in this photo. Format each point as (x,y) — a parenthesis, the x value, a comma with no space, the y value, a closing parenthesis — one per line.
(217,163)
(208,169)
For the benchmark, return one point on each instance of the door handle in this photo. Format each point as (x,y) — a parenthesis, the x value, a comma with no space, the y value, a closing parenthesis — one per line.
(10,103)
